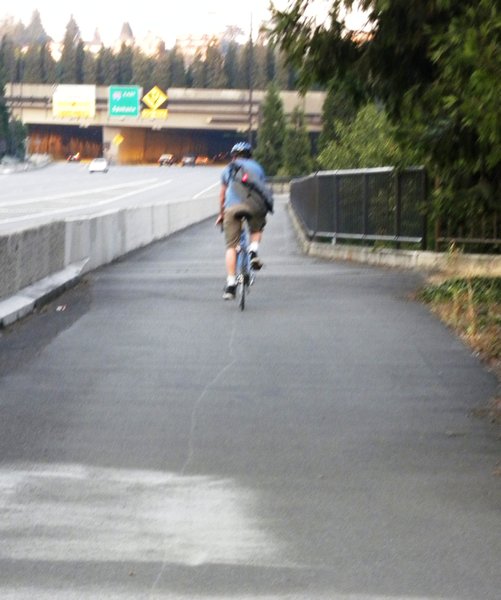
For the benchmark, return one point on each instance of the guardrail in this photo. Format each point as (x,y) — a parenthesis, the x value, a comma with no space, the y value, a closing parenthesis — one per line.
(366,205)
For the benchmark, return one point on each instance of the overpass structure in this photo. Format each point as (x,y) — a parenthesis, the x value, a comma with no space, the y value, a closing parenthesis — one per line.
(199,121)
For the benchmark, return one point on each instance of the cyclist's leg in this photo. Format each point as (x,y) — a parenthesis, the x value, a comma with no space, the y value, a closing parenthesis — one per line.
(232,226)
(256,226)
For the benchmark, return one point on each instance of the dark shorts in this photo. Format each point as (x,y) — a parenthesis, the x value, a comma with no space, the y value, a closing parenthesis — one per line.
(232,224)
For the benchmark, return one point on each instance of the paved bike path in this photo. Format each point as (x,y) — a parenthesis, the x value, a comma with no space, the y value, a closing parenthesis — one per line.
(156,442)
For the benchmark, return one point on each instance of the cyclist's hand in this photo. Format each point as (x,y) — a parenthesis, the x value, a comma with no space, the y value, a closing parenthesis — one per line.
(219,220)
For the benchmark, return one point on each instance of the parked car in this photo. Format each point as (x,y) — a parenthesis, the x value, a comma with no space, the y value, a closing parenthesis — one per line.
(166,159)
(98,165)
(188,160)
(202,160)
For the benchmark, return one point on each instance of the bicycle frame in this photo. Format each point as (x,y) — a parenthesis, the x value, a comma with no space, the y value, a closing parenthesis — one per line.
(245,276)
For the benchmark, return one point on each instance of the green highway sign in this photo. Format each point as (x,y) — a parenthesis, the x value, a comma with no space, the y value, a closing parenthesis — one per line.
(123,100)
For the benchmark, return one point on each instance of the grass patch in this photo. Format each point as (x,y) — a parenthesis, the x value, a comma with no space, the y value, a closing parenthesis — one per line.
(472,308)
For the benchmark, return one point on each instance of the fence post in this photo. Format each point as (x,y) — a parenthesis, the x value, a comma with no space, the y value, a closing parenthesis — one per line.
(424,242)
(336,207)
(365,208)
(317,207)
(398,207)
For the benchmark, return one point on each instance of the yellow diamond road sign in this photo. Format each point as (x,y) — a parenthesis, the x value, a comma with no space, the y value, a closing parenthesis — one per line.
(154,98)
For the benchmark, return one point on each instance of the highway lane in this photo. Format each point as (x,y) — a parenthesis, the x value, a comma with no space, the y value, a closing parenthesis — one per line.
(65,190)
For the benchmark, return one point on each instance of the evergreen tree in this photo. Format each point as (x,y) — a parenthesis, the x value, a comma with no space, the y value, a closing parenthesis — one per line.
(270,64)
(297,146)
(12,132)
(16,139)
(124,65)
(260,67)
(284,72)
(14,30)
(231,67)
(271,132)
(105,67)
(35,32)
(215,74)
(80,62)
(246,76)
(47,64)
(339,107)
(197,73)
(178,71)
(90,68)
(142,70)
(68,63)
(8,59)
(162,70)
(31,71)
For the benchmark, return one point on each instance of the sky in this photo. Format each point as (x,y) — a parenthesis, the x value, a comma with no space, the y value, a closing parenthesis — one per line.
(166,19)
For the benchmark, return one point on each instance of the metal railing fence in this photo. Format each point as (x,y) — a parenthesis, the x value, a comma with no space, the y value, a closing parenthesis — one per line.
(481,233)
(363,204)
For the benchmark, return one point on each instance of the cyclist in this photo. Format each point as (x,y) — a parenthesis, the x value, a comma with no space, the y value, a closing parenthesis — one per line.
(233,207)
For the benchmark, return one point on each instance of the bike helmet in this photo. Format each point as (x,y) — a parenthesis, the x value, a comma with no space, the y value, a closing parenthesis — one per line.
(242,148)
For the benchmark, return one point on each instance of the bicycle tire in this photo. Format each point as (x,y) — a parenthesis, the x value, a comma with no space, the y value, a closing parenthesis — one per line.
(242,289)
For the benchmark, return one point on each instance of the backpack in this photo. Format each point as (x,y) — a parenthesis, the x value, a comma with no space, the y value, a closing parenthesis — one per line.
(250,189)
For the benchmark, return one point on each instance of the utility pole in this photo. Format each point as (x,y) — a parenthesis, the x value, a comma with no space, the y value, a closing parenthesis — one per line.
(251,80)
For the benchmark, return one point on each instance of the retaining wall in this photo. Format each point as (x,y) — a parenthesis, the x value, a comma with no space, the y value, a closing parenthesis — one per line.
(31,255)
(450,264)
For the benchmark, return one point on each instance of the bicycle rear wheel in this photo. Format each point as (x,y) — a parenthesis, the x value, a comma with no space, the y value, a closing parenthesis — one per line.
(242,288)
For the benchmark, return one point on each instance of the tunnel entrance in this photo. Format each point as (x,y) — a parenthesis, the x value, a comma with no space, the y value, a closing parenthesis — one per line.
(59,141)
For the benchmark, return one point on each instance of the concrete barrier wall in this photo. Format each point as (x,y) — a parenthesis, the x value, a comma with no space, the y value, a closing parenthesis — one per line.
(104,238)
(29,256)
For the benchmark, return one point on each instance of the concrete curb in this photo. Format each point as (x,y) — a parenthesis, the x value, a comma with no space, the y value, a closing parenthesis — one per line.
(26,300)
(451,264)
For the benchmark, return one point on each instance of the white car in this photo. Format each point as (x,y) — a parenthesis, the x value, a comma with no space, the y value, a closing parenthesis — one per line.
(98,165)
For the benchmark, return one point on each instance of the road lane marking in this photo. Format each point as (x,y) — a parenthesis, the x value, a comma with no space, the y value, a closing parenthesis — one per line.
(72,209)
(70,195)
(208,189)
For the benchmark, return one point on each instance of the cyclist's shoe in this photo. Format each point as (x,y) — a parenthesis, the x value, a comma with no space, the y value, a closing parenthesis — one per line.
(255,263)
(230,292)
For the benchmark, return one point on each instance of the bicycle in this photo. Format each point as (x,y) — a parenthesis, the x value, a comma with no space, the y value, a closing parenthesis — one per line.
(245,275)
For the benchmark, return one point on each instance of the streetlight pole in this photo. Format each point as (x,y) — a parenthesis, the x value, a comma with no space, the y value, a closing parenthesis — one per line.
(251,82)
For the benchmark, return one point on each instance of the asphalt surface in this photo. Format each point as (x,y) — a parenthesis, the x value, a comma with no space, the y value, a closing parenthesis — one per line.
(156,442)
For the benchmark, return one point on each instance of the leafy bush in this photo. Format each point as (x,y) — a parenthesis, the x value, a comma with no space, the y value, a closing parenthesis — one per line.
(368,141)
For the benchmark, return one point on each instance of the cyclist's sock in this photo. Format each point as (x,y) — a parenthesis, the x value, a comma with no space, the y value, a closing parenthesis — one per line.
(231,280)
(253,247)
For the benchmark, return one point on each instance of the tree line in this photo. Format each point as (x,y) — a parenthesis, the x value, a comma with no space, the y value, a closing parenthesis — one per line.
(26,57)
